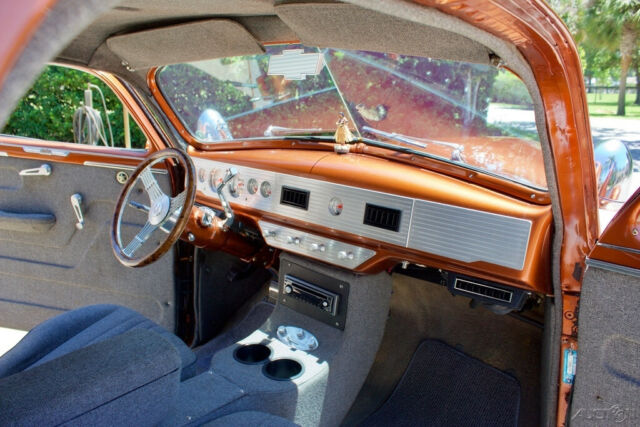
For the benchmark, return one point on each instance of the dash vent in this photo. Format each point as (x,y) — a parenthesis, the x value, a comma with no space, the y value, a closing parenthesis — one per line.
(381,217)
(483,290)
(294,197)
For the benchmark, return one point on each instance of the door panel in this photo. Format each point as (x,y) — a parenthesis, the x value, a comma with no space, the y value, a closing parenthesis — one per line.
(607,380)
(49,270)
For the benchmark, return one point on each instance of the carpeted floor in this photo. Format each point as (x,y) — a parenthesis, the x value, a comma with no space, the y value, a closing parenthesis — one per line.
(421,310)
(444,387)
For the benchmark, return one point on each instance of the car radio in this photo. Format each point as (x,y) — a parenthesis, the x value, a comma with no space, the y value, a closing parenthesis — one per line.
(311,294)
(314,294)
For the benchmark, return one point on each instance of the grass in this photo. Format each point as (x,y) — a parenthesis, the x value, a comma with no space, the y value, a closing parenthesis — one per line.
(606,105)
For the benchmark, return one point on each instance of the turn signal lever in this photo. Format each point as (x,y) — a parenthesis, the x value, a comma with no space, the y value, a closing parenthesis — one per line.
(228,212)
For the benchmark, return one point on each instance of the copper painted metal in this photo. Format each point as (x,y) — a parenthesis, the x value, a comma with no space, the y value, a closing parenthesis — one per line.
(397,178)
(620,241)
(19,20)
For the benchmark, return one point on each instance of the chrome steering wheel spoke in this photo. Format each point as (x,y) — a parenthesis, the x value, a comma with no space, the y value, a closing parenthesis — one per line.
(139,239)
(151,185)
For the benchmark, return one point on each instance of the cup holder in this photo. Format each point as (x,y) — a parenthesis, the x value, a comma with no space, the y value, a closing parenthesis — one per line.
(282,369)
(252,354)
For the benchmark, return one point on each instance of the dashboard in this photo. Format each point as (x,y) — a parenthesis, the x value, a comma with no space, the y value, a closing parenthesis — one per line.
(377,213)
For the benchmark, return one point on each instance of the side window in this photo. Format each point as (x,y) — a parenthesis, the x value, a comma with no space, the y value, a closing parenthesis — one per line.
(69,105)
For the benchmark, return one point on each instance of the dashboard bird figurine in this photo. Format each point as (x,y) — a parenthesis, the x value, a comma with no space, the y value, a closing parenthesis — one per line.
(343,135)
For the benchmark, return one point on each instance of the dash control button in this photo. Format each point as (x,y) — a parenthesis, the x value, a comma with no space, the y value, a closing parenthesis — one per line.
(315,247)
(345,255)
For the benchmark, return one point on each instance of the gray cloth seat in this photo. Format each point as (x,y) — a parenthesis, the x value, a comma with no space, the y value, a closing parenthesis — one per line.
(77,329)
(250,419)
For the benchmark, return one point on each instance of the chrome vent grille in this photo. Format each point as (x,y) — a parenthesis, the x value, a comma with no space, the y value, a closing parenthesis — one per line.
(483,290)
(381,217)
(294,197)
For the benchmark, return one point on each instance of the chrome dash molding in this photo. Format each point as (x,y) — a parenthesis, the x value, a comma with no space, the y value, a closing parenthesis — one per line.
(120,167)
(450,231)
(621,269)
(46,151)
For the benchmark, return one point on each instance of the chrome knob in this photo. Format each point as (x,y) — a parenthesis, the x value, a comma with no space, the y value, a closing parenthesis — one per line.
(345,255)
(288,289)
(293,240)
(315,247)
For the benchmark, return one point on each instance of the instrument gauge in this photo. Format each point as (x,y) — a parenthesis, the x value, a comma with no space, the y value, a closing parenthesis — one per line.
(252,186)
(202,174)
(265,189)
(335,206)
(216,177)
(237,187)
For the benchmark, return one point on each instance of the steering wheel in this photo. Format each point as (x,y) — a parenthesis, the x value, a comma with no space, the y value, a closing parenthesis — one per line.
(163,209)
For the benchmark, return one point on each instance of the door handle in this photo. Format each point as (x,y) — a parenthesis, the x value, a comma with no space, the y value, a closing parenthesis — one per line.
(76,203)
(43,170)
(26,222)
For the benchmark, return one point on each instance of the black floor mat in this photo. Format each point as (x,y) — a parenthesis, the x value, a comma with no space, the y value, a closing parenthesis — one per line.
(443,387)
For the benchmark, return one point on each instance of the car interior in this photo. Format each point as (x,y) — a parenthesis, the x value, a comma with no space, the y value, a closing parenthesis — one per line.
(206,242)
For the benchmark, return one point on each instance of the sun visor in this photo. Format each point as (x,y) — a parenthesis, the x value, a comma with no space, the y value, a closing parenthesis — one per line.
(195,41)
(347,26)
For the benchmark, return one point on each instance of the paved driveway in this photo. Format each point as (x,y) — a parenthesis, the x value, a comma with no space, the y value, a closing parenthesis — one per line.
(602,128)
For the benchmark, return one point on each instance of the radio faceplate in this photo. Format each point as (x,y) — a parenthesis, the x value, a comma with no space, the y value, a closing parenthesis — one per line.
(321,297)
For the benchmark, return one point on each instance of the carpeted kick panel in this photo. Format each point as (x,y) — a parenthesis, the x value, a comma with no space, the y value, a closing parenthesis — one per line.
(444,387)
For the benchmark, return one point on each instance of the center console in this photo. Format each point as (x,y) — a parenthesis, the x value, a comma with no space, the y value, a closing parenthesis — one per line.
(308,360)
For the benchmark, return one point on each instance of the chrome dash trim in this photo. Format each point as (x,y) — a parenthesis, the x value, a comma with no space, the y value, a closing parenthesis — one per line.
(120,167)
(334,251)
(450,231)
(46,151)
(469,235)
(619,248)
(621,269)
(320,193)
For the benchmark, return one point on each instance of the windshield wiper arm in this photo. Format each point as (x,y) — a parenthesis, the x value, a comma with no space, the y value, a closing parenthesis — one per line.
(281,130)
(456,154)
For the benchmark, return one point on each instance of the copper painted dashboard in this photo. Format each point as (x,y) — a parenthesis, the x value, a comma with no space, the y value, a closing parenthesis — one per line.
(446,223)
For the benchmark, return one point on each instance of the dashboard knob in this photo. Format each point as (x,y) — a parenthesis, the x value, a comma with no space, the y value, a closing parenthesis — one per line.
(293,240)
(315,247)
(269,233)
(288,289)
(345,255)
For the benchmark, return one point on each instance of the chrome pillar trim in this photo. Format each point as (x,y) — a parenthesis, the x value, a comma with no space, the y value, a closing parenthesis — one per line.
(619,248)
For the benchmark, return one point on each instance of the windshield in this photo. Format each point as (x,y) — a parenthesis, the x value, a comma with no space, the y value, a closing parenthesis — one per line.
(474,115)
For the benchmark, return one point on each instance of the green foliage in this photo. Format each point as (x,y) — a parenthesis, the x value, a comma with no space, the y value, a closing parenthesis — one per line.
(509,89)
(190,91)
(46,111)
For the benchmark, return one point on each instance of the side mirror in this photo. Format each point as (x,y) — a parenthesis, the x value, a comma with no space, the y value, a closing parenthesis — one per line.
(614,166)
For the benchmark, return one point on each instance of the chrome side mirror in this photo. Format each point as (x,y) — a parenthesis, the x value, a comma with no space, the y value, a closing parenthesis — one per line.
(614,166)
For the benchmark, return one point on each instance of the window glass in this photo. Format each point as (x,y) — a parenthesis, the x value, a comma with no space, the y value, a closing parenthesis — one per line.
(54,109)
(474,115)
